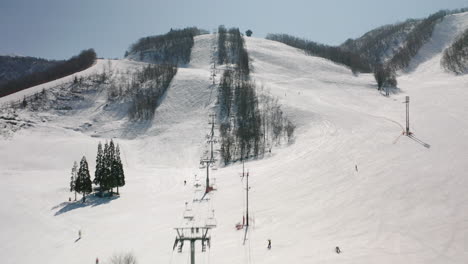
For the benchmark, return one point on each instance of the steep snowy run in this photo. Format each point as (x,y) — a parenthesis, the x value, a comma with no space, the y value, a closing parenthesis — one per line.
(350,179)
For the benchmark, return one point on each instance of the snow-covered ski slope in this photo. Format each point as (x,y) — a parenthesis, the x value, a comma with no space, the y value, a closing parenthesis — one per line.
(406,203)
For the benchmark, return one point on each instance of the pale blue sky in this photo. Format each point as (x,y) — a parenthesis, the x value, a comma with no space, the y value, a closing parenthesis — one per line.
(58,29)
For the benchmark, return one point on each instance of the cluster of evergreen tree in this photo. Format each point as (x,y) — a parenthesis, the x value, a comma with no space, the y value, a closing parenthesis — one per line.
(75,64)
(245,121)
(455,57)
(80,179)
(353,60)
(173,47)
(109,172)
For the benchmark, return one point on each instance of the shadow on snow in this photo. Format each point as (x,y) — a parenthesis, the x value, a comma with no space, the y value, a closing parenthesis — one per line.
(91,200)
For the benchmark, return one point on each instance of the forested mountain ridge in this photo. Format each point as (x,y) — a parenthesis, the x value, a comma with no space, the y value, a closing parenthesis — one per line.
(395,45)
(389,47)
(382,43)
(172,48)
(14,67)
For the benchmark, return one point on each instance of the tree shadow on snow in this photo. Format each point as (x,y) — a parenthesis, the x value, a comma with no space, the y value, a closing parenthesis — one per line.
(391,91)
(91,200)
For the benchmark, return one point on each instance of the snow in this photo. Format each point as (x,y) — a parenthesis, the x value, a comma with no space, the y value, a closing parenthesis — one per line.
(406,203)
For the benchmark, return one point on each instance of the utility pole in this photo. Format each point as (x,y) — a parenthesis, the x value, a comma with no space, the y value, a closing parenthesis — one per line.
(192,234)
(247,193)
(407,116)
(247,199)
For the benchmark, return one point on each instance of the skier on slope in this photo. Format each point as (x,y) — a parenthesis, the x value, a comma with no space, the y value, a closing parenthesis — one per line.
(269,244)
(338,250)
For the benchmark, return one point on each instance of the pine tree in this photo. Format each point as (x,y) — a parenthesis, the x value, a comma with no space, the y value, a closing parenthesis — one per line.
(112,169)
(105,175)
(98,174)
(83,182)
(119,168)
(74,174)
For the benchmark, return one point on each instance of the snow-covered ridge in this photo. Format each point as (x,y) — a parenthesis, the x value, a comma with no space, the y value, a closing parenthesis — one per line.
(445,33)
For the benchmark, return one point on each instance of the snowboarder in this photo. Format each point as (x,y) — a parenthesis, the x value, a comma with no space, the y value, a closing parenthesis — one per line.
(355,166)
(185,182)
(79,234)
(269,244)
(338,250)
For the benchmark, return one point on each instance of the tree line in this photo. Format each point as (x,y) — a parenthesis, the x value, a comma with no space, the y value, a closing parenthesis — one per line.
(382,51)
(75,64)
(143,89)
(139,91)
(455,57)
(421,33)
(385,73)
(231,50)
(380,44)
(250,123)
(14,67)
(109,173)
(173,47)
(393,46)
(246,121)
(353,60)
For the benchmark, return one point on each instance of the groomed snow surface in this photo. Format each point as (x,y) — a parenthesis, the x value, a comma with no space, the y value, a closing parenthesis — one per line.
(406,203)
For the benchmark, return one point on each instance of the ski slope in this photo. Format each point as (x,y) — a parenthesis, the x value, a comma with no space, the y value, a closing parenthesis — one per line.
(405,203)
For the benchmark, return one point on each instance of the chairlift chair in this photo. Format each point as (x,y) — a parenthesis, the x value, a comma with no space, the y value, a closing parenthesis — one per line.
(211,222)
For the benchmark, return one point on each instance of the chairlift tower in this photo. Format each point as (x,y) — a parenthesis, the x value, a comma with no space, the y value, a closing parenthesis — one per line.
(192,234)
(210,160)
(207,163)
(212,139)
(246,175)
